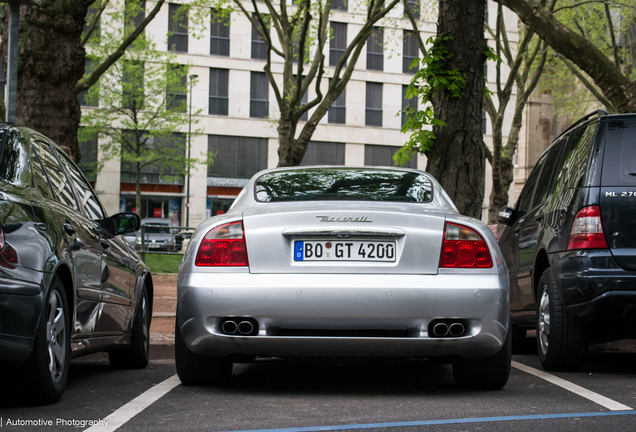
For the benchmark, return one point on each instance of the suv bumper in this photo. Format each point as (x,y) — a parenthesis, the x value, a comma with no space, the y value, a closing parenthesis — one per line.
(593,286)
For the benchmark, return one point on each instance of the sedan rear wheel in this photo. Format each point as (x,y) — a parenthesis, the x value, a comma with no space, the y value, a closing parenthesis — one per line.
(561,338)
(196,369)
(47,366)
(485,373)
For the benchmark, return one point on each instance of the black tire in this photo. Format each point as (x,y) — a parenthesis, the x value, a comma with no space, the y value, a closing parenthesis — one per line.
(195,369)
(562,340)
(137,354)
(46,369)
(485,373)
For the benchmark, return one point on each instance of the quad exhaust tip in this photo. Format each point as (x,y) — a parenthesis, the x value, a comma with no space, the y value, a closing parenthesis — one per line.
(242,326)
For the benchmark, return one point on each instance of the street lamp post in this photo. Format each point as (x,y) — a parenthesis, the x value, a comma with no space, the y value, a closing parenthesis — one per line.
(192,78)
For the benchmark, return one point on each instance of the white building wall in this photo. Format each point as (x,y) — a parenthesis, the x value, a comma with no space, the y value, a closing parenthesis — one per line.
(238,122)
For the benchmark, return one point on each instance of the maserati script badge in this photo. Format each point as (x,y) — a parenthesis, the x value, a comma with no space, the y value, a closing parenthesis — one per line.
(343,219)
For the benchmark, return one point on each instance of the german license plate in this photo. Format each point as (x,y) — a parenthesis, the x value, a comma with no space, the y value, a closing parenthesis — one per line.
(326,250)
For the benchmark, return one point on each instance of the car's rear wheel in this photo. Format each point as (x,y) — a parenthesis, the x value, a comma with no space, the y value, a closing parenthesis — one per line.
(136,355)
(561,338)
(485,373)
(46,369)
(196,369)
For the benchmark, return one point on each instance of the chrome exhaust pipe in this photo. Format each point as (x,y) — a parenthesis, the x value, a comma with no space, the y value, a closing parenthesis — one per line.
(440,329)
(245,327)
(229,327)
(456,329)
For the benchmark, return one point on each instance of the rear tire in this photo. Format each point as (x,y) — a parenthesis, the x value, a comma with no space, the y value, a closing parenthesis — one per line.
(195,369)
(485,373)
(46,369)
(562,340)
(136,355)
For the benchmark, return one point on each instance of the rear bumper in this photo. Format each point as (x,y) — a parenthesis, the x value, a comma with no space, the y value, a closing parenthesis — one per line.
(20,308)
(593,286)
(344,303)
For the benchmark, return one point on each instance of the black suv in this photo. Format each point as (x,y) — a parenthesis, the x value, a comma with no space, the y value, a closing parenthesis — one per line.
(570,242)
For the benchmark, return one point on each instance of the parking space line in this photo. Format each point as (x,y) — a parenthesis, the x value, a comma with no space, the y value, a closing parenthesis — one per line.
(576,389)
(444,421)
(137,405)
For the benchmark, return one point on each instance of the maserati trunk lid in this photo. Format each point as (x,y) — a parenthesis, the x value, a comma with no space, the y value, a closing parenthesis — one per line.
(343,237)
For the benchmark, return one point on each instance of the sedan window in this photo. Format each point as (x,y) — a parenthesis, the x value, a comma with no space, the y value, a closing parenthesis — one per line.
(87,199)
(14,163)
(60,185)
(344,184)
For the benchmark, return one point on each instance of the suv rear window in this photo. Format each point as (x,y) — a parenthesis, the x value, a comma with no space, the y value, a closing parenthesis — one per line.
(361,184)
(619,162)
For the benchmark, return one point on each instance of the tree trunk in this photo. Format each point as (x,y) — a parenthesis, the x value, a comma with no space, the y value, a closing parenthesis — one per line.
(51,61)
(457,160)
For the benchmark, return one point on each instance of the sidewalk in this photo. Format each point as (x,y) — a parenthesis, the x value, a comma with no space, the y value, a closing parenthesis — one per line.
(164,309)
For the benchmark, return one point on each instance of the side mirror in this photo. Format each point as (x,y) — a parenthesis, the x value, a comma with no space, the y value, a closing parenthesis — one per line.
(125,223)
(505,216)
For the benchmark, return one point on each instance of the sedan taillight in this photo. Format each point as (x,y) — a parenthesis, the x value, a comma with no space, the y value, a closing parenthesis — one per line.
(223,246)
(587,230)
(463,247)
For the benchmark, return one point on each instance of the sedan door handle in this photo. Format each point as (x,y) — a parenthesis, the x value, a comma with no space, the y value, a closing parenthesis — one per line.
(70,229)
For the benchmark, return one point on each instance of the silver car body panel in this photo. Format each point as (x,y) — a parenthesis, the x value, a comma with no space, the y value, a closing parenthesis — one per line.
(347,297)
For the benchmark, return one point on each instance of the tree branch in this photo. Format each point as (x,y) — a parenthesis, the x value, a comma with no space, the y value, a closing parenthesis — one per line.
(86,83)
(93,24)
(588,85)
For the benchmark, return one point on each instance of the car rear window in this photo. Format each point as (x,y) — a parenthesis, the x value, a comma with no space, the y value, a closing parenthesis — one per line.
(14,162)
(619,162)
(157,228)
(344,184)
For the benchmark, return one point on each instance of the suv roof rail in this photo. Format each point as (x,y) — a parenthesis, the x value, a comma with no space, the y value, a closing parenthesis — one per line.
(599,112)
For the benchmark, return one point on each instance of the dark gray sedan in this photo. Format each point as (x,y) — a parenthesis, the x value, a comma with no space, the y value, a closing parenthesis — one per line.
(69,284)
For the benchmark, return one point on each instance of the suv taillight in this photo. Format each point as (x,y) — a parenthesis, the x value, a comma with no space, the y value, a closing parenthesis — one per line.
(223,246)
(587,230)
(463,247)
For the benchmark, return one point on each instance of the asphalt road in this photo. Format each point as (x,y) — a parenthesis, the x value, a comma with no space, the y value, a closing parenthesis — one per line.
(272,394)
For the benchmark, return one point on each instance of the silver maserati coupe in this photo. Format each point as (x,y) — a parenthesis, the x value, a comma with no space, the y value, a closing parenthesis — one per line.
(338,262)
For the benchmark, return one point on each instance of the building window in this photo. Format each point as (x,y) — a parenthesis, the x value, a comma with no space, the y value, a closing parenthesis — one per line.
(379,155)
(414,5)
(88,163)
(259,95)
(410,51)
(220,33)
(236,157)
(486,13)
(338,42)
(218,91)
(324,153)
(84,98)
(133,85)
(340,5)
(303,101)
(176,98)
(135,14)
(259,46)
(157,172)
(338,111)
(96,35)
(375,49)
(177,28)
(153,206)
(484,122)
(373,115)
(407,104)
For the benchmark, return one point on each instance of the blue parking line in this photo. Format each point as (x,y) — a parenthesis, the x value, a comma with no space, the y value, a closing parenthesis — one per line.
(443,422)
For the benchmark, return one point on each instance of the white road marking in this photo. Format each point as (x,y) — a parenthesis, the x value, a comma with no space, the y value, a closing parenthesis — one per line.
(137,405)
(576,389)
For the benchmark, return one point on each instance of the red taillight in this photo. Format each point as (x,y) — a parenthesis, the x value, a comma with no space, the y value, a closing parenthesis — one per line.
(223,246)
(463,247)
(7,251)
(587,230)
